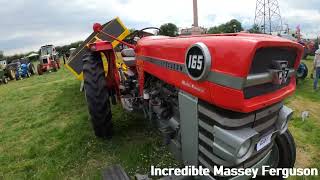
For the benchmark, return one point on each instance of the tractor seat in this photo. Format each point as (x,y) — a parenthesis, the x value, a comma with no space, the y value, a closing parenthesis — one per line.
(129,57)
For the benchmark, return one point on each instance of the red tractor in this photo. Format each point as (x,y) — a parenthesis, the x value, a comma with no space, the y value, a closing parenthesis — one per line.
(49,59)
(217,99)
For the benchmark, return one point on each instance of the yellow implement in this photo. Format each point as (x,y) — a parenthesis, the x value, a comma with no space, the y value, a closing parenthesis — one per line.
(115,28)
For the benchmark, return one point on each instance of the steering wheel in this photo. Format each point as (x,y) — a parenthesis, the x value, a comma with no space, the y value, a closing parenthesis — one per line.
(139,34)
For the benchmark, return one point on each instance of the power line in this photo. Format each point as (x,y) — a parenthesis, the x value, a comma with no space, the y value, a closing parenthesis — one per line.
(268,16)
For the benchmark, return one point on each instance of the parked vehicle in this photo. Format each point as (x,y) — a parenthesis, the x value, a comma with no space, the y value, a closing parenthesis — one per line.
(214,104)
(21,70)
(9,73)
(29,65)
(3,78)
(302,71)
(49,59)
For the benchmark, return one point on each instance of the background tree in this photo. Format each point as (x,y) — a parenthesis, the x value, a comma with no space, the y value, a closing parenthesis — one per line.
(132,30)
(255,29)
(65,49)
(1,55)
(317,42)
(229,27)
(169,29)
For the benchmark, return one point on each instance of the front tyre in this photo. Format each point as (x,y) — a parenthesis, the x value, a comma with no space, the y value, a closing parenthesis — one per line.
(5,80)
(284,151)
(287,150)
(97,96)
(39,69)
(54,66)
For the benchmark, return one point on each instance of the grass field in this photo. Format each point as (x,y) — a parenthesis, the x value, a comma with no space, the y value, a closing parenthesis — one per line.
(45,132)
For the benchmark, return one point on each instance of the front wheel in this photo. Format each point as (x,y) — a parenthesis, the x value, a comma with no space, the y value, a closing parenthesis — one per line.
(18,77)
(284,151)
(97,96)
(58,64)
(39,69)
(5,80)
(54,66)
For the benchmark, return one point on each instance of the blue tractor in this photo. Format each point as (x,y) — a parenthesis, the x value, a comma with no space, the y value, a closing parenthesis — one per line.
(31,68)
(21,70)
(302,71)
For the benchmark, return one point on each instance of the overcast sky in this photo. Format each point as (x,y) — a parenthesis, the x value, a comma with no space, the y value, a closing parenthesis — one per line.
(25,25)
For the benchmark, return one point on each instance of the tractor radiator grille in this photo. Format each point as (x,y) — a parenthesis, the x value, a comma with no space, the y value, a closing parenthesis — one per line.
(45,61)
(263,121)
(262,63)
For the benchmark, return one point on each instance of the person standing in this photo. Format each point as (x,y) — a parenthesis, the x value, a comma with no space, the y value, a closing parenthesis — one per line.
(316,69)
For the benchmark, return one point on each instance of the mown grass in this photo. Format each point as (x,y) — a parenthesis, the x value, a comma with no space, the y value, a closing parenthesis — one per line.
(45,132)
(306,133)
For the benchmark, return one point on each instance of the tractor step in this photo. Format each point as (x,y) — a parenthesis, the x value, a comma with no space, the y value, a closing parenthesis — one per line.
(115,172)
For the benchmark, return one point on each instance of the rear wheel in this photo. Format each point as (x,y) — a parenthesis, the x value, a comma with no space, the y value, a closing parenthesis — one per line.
(11,74)
(97,96)
(55,67)
(39,69)
(32,69)
(58,64)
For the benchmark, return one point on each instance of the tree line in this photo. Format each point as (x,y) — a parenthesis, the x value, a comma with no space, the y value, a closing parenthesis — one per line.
(232,26)
(168,29)
(60,49)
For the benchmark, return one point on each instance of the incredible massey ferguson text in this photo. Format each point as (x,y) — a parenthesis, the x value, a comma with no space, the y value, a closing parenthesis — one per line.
(217,99)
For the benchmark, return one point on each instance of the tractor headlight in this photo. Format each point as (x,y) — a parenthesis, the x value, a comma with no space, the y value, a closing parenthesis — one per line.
(285,115)
(234,146)
(244,148)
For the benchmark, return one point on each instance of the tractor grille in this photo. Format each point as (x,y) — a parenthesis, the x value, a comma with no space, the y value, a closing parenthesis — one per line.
(262,62)
(45,61)
(263,121)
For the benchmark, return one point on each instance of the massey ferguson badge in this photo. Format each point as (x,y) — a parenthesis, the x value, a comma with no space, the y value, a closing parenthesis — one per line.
(198,61)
